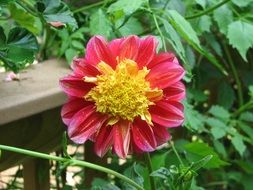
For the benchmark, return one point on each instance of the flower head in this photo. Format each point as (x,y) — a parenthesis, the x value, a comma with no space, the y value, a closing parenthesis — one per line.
(123,95)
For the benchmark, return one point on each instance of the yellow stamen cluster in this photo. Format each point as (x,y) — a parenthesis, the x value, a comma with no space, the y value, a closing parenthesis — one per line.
(122,93)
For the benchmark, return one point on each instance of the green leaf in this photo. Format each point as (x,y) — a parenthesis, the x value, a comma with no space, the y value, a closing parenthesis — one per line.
(70,54)
(57,11)
(226,95)
(242,3)
(247,116)
(174,39)
(193,119)
(99,24)
(202,3)
(196,151)
(126,6)
(219,112)
(101,184)
(205,23)
(240,36)
(246,129)
(183,27)
(220,148)
(218,128)
(162,172)
(223,16)
(19,49)
(134,173)
(24,19)
(132,26)
(200,163)
(238,143)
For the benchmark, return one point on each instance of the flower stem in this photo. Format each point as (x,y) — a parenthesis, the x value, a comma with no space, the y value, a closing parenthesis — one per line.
(150,170)
(72,162)
(247,106)
(236,77)
(207,10)
(176,153)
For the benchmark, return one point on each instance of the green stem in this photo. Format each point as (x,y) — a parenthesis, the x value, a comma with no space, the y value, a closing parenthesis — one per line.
(236,77)
(84,8)
(158,27)
(207,10)
(176,153)
(247,106)
(72,161)
(150,170)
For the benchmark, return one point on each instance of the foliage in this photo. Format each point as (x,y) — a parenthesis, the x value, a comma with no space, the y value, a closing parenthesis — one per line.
(213,40)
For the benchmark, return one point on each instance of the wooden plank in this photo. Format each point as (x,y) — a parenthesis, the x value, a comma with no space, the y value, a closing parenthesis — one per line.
(36,174)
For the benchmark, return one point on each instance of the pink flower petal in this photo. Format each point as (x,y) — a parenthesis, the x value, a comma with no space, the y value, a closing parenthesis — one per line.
(121,136)
(129,48)
(82,68)
(161,134)
(75,86)
(175,92)
(143,136)
(97,50)
(165,74)
(71,107)
(104,140)
(114,46)
(84,124)
(161,58)
(167,113)
(146,51)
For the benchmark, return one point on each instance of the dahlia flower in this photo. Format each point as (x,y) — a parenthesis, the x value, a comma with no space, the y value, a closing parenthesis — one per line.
(123,95)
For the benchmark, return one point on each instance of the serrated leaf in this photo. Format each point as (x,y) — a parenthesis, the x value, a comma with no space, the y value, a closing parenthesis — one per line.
(205,23)
(126,6)
(242,3)
(218,128)
(24,19)
(57,11)
(19,49)
(219,112)
(99,24)
(70,54)
(193,119)
(132,26)
(223,16)
(197,150)
(240,36)
(183,27)
(238,143)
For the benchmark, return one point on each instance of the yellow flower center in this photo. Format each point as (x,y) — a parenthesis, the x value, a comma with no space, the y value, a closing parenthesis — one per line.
(122,93)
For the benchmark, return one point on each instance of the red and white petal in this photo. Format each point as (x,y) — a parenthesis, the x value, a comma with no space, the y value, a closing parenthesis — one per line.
(104,140)
(161,134)
(71,108)
(75,86)
(129,48)
(82,68)
(98,50)
(167,113)
(146,51)
(165,74)
(122,137)
(161,58)
(143,136)
(84,124)
(175,92)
